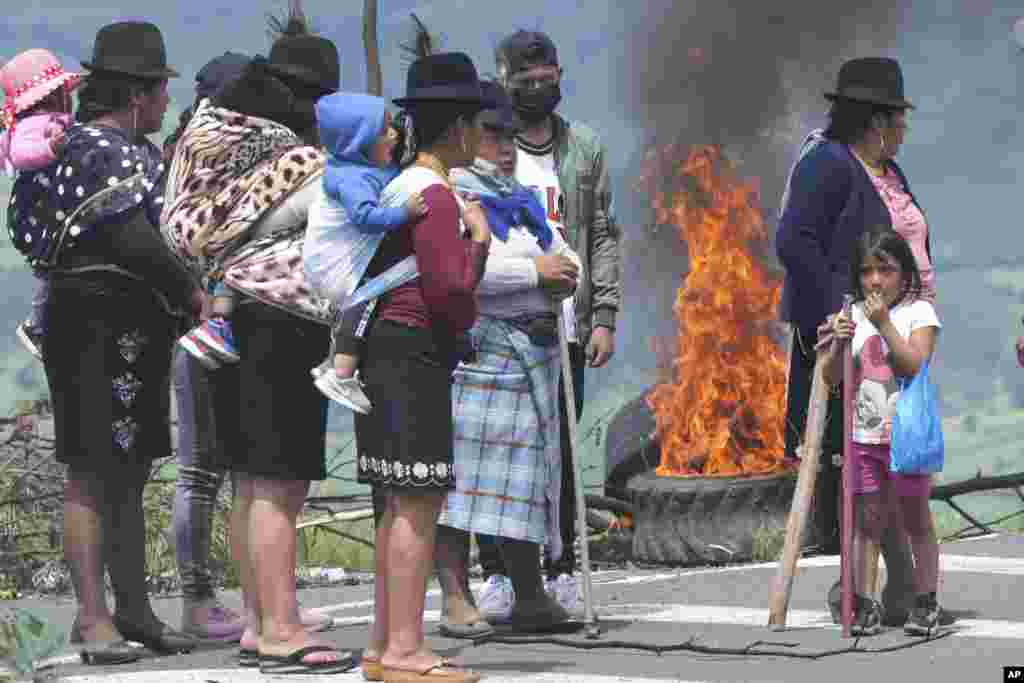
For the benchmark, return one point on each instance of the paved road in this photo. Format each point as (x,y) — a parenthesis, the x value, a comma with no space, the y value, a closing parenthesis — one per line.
(717,607)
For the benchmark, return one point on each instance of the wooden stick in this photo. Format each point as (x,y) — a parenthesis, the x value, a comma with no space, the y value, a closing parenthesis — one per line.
(589,620)
(343,516)
(810,454)
(846,527)
(871,574)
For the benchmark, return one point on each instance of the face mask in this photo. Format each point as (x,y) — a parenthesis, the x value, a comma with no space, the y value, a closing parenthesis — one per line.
(537,104)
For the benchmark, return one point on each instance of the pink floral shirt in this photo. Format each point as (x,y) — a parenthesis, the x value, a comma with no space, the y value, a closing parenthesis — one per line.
(908,221)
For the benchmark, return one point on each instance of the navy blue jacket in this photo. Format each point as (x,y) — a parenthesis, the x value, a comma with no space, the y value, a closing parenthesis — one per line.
(831,202)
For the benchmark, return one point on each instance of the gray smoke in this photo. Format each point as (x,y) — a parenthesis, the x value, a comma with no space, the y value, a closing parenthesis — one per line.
(743,74)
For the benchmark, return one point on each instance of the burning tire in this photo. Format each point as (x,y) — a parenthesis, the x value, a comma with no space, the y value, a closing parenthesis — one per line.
(628,441)
(689,521)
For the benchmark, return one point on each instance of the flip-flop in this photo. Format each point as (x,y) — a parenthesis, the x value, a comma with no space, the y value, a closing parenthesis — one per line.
(248,659)
(372,669)
(292,663)
(470,631)
(442,672)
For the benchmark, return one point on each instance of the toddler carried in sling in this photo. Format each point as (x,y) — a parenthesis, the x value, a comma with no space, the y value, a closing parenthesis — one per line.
(351,215)
(236,181)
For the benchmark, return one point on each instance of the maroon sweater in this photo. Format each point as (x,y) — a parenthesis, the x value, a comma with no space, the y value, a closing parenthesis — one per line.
(443,297)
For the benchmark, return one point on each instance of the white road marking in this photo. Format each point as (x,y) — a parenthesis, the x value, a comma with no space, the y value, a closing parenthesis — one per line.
(244,676)
(980,564)
(746,616)
(742,616)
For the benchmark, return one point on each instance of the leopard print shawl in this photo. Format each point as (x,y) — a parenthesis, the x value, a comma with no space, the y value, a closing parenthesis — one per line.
(228,170)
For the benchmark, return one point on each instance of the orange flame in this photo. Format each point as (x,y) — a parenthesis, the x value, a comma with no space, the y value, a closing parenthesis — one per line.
(724,411)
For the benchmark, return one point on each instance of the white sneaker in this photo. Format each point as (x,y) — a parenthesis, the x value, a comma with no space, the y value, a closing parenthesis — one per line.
(496,598)
(563,590)
(348,392)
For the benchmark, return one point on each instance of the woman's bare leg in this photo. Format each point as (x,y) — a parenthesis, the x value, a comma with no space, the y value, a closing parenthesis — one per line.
(272,549)
(410,555)
(383,518)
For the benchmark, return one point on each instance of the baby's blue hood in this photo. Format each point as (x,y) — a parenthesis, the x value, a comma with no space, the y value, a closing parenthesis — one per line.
(349,124)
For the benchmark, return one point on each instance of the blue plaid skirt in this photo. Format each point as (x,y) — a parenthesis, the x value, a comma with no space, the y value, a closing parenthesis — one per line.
(508,466)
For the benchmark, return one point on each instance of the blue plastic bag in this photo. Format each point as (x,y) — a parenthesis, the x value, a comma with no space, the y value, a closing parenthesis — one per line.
(917,445)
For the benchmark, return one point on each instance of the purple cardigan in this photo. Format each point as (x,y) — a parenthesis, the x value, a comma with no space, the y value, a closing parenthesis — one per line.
(831,201)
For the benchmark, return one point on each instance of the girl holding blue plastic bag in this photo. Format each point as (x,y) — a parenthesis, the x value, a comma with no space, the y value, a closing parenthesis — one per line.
(892,332)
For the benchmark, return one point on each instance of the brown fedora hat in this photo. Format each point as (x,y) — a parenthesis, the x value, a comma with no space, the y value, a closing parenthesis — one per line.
(132,48)
(876,80)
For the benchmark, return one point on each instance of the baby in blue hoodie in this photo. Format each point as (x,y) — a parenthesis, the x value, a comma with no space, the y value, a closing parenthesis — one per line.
(356,131)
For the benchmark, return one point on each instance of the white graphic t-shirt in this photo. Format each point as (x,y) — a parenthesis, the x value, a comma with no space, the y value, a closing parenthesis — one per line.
(535,169)
(875,389)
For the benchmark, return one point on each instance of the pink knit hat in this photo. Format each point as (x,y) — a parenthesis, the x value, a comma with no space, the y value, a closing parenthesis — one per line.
(28,78)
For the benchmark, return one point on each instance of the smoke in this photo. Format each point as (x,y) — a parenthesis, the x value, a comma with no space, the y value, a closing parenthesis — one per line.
(748,76)
(735,71)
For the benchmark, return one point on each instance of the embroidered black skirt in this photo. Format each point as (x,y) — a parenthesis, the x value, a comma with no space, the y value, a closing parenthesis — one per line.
(107,352)
(406,440)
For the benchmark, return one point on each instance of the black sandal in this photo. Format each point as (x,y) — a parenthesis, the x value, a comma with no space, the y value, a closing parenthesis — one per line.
(109,653)
(292,663)
(158,636)
(104,653)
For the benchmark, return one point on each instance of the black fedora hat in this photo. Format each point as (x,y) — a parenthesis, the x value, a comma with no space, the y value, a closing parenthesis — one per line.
(310,60)
(444,77)
(876,80)
(133,48)
(498,113)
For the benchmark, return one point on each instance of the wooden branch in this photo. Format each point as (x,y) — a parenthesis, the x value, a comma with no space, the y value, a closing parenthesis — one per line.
(965,515)
(347,537)
(374,76)
(817,412)
(1005,481)
(346,516)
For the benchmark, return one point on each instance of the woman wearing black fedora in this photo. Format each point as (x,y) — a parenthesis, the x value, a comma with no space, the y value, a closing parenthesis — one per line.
(845,181)
(117,298)
(405,446)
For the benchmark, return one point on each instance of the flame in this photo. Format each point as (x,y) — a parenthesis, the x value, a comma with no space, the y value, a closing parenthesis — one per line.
(723,410)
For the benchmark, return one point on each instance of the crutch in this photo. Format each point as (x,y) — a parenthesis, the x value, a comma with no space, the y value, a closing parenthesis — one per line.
(589,621)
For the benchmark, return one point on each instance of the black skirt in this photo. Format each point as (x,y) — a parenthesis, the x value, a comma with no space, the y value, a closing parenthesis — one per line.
(271,419)
(406,440)
(108,346)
